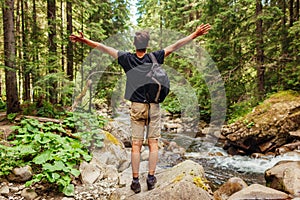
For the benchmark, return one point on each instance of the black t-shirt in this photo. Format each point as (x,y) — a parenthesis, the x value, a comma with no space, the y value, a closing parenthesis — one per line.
(135,69)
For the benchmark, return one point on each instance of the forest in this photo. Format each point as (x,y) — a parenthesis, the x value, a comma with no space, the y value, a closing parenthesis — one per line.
(253,46)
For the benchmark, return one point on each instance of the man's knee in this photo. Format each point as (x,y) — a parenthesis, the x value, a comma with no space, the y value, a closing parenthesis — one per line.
(153,144)
(136,146)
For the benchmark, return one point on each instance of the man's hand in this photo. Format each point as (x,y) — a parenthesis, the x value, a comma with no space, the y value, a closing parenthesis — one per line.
(75,38)
(201,30)
(106,49)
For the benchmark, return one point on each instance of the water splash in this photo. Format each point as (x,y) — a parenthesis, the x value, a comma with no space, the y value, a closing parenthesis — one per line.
(242,164)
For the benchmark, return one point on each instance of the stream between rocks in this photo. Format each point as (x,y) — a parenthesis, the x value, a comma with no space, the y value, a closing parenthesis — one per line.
(218,165)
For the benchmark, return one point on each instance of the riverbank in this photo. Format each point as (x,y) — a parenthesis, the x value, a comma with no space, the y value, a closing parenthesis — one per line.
(100,178)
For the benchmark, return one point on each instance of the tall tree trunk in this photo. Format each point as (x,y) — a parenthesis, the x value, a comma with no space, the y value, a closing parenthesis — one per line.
(297,10)
(62,35)
(284,33)
(26,71)
(82,51)
(291,12)
(19,50)
(70,65)
(51,14)
(9,57)
(259,50)
(35,46)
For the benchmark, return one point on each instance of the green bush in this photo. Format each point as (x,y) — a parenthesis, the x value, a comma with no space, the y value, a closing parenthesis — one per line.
(54,158)
(239,110)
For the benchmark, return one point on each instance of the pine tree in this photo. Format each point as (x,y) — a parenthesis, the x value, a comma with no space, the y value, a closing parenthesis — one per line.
(9,57)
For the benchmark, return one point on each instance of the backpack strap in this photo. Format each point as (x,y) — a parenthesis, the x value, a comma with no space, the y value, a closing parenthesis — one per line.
(154,61)
(153,58)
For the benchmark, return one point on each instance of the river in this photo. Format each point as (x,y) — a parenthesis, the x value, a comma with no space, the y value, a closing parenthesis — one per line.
(218,165)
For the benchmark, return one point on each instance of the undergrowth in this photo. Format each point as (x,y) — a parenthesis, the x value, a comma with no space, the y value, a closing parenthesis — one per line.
(48,149)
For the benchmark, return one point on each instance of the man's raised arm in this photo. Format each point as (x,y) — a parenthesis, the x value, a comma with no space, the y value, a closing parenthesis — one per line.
(201,30)
(105,49)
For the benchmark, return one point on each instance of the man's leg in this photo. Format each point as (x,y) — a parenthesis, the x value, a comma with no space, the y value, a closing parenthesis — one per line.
(136,156)
(137,114)
(135,164)
(153,155)
(154,134)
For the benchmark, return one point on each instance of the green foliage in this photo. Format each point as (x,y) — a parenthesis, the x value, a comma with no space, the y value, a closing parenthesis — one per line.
(248,124)
(231,43)
(110,84)
(53,157)
(2,105)
(11,116)
(171,104)
(46,109)
(55,81)
(29,108)
(240,109)
(87,127)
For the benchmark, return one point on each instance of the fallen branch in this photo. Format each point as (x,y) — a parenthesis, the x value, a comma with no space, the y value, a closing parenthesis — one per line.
(40,119)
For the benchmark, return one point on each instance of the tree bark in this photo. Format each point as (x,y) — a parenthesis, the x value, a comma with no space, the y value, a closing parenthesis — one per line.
(35,46)
(26,72)
(62,35)
(284,33)
(51,14)
(260,50)
(297,10)
(70,64)
(291,12)
(9,57)
(18,43)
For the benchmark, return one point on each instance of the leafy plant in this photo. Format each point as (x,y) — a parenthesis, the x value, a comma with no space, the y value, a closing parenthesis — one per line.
(48,110)
(2,105)
(87,127)
(248,124)
(54,158)
(239,110)
(11,116)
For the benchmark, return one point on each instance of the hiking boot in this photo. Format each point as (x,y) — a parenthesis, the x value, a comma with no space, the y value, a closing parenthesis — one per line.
(135,186)
(151,182)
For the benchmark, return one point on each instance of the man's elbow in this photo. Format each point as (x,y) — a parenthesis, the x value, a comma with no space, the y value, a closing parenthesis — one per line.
(167,52)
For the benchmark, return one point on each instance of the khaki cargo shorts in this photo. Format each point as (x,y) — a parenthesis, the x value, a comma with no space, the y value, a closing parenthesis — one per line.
(139,120)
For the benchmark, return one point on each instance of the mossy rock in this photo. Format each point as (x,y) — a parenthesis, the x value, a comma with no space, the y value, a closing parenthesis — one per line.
(112,139)
(268,126)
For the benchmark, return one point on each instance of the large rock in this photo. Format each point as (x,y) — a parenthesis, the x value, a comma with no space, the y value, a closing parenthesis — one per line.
(107,162)
(4,190)
(120,128)
(184,181)
(20,174)
(90,172)
(112,153)
(257,191)
(29,194)
(232,186)
(270,125)
(285,176)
